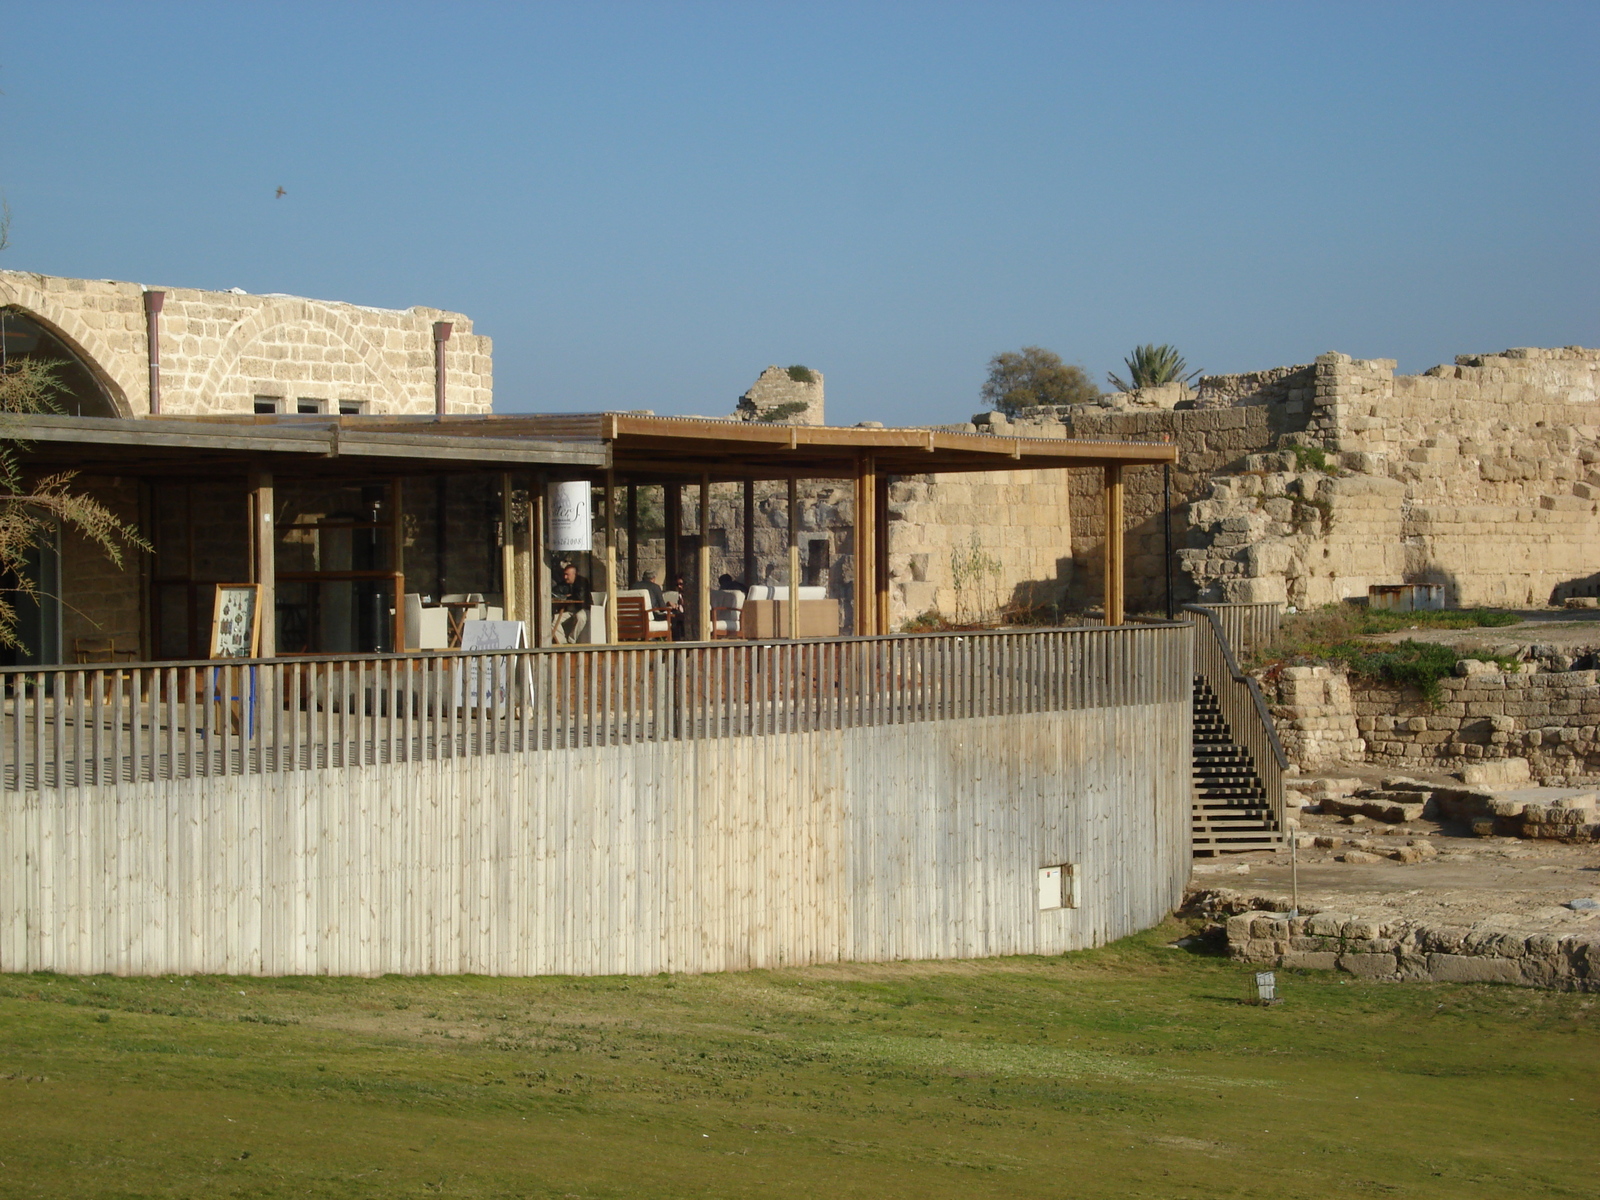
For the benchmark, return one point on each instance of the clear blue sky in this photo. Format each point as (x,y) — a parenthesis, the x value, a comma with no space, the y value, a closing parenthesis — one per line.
(645,204)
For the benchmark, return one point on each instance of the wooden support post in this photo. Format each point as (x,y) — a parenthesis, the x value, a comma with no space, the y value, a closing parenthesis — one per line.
(264,565)
(1116,564)
(866,546)
(794,558)
(611,558)
(397,560)
(539,582)
(880,551)
(633,535)
(672,505)
(749,534)
(703,561)
(508,551)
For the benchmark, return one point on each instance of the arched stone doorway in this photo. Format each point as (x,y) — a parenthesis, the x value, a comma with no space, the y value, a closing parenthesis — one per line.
(24,336)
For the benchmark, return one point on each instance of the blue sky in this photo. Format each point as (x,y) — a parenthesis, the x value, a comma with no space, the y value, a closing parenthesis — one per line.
(645,204)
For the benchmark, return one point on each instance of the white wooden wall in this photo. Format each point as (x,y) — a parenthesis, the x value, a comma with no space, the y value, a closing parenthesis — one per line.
(920,840)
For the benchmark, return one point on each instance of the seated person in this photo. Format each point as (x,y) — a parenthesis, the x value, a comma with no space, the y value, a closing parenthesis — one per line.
(570,597)
(648,583)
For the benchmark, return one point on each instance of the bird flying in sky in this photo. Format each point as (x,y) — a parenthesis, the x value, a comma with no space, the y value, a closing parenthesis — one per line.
(281,194)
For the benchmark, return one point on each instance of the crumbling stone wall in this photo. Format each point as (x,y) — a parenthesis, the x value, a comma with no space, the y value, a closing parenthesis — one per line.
(1481,477)
(1549,718)
(1483,715)
(1315,717)
(788,396)
(220,350)
(1409,950)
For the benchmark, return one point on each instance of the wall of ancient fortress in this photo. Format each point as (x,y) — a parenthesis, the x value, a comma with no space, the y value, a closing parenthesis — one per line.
(1483,476)
(220,350)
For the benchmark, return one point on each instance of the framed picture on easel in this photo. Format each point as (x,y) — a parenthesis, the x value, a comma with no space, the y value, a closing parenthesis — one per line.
(236,621)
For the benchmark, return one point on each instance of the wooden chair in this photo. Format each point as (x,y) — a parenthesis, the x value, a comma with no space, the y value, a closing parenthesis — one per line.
(638,622)
(100,650)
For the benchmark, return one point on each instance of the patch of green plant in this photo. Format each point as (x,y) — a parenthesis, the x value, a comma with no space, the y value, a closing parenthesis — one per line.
(931,621)
(1409,663)
(1312,458)
(782,412)
(802,374)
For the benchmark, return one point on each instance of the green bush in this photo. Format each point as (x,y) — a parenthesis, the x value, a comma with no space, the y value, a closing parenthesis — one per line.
(1409,663)
(1312,458)
(802,374)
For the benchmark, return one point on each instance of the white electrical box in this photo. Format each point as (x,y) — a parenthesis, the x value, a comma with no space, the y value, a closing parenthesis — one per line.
(1058,886)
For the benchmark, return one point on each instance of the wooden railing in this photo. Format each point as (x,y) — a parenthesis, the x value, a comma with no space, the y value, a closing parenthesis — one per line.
(96,725)
(1239,698)
(1247,627)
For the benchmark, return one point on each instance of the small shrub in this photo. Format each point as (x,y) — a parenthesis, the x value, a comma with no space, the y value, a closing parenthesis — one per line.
(782,412)
(1409,663)
(802,374)
(1312,458)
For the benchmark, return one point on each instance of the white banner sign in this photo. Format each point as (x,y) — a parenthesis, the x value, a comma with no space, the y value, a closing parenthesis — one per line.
(569,516)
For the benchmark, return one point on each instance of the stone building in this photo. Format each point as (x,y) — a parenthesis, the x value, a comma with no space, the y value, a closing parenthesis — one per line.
(139,351)
(128,351)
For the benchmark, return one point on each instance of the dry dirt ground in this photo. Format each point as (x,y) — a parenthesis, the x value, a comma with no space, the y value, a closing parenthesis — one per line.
(1558,628)
(1506,883)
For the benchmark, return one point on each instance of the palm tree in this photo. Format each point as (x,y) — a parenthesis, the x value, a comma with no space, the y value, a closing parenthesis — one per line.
(1151,366)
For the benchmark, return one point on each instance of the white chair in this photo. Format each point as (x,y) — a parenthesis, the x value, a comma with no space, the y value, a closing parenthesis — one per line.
(433,629)
(760,591)
(727,611)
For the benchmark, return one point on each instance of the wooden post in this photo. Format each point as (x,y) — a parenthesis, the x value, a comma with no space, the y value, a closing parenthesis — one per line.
(880,548)
(264,568)
(703,560)
(672,505)
(794,558)
(749,534)
(1116,583)
(866,546)
(397,560)
(538,583)
(508,551)
(611,557)
(633,535)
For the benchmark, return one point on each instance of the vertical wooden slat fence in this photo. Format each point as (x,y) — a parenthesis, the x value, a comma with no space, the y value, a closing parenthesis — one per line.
(592,810)
(1247,627)
(83,726)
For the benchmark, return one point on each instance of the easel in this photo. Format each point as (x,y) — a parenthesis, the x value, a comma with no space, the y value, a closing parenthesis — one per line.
(235,633)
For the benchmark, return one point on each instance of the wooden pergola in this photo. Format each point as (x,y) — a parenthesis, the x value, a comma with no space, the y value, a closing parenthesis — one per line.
(676,450)
(612,449)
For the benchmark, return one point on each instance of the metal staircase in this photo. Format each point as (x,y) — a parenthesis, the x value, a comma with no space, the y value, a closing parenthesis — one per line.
(1237,760)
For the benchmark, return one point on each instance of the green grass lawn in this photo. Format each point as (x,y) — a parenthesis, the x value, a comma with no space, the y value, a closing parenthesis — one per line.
(1129,1071)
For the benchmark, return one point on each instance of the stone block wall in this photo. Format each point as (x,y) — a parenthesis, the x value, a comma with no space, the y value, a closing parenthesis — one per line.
(220,350)
(1483,477)
(1315,716)
(1549,718)
(788,396)
(1407,950)
(1307,484)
